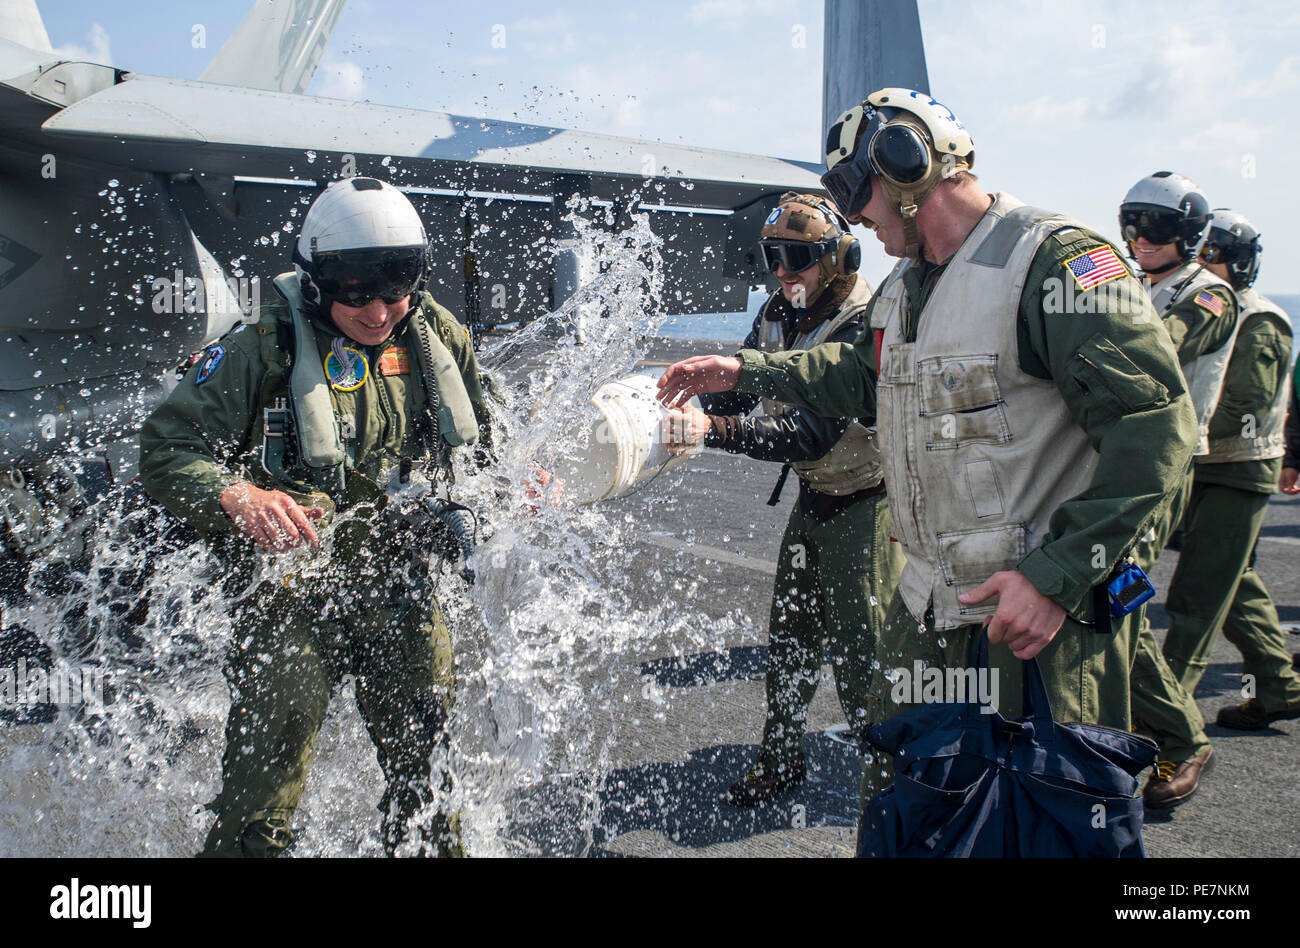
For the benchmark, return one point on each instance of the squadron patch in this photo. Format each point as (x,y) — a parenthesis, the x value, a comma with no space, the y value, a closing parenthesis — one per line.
(1097,266)
(395,361)
(349,377)
(210,362)
(773,217)
(1207,300)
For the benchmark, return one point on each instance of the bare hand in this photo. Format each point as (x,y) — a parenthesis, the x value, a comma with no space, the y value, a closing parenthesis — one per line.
(698,375)
(1287,483)
(272,518)
(685,428)
(538,480)
(1026,620)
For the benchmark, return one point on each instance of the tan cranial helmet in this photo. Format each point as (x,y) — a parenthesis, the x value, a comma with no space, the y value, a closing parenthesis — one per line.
(907,141)
(805,230)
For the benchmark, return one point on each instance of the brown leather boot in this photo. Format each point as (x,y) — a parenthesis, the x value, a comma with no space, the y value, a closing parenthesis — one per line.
(761,784)
(1171,784)
(1251,716)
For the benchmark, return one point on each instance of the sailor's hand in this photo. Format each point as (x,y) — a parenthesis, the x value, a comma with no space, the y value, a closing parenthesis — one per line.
(1026,620)
(697,376)
(685,428)
(536,485)
(1289,482)
(272,518)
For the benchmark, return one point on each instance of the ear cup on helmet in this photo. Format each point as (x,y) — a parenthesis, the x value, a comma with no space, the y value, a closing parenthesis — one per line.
(900,154)
(848,255)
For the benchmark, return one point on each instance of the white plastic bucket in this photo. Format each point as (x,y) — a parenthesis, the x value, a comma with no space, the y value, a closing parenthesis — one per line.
(625,445)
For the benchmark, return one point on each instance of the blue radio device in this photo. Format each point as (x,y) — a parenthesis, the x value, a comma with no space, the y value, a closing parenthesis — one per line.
(1129,589)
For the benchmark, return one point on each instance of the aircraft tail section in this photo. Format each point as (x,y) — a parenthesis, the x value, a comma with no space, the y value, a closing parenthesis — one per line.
(277,46)
(869,45)
(21,23)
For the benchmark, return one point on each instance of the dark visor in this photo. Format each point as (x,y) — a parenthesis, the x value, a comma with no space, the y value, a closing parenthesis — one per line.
(355,277)
(849,184)
(1160,226)
(795,255)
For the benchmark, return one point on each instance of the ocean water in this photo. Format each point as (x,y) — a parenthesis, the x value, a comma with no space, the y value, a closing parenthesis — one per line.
(732,327)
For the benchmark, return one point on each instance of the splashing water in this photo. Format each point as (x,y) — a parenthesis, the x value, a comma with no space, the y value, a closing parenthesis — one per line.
(549,699)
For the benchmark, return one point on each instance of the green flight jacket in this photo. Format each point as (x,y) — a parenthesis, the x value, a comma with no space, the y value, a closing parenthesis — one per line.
(1195,330)
(1260,361)
(1133,405)
(207,435)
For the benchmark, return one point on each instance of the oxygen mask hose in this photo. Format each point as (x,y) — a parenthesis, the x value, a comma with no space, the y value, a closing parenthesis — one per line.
(463,524)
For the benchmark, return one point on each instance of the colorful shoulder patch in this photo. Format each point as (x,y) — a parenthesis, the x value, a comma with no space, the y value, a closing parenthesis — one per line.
(350,377)
(773,217)
(1097,266)
(211,360)
(1207,300)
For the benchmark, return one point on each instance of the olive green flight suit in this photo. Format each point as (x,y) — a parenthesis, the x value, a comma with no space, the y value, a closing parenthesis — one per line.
(837,566)
(361,604)
(1215,584)
(1161,706)
(834,581)
(1134,406)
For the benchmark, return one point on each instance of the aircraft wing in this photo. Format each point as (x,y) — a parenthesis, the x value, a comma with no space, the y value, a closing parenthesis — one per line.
(174,125)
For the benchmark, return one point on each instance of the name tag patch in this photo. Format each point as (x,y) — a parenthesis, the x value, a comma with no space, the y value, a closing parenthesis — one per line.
(395,361)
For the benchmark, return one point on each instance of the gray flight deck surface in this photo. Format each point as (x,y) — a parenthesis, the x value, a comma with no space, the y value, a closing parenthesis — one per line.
(666,795)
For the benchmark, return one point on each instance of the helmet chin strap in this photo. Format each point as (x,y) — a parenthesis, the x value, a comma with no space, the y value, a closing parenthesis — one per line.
(911,236)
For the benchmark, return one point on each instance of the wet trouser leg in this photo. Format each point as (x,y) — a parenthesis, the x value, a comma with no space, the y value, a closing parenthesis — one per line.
(404,691)
(1086,673)
(834,581)
(280,682)
(285,660)
(1221,531)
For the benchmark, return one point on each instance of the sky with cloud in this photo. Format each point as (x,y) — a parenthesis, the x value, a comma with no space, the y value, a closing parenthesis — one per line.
(1067,108)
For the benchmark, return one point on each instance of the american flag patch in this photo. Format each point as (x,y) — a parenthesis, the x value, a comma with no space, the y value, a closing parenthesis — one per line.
(1211,302)
(1095,267)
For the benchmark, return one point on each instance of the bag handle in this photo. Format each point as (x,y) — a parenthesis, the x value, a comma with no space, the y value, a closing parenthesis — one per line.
(1035,704)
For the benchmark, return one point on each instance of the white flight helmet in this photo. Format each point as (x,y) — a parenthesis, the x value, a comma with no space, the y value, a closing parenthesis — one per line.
(362,239)
(1165,208)
(908,140)
(1234,242)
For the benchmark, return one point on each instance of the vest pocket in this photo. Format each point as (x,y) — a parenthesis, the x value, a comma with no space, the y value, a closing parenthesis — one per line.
(961,402)
(969,557)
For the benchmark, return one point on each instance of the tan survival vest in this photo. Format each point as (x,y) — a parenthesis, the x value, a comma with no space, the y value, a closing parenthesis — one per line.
(1269,441)
(853,463)
(1205,373)
(978,454)
(309,414)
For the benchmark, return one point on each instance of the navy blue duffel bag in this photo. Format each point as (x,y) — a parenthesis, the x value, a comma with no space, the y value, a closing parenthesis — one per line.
(976,784)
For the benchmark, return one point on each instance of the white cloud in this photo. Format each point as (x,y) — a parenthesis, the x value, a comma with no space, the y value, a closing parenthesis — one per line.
(96,49)
(629,113)
(732,14)
(342,80)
